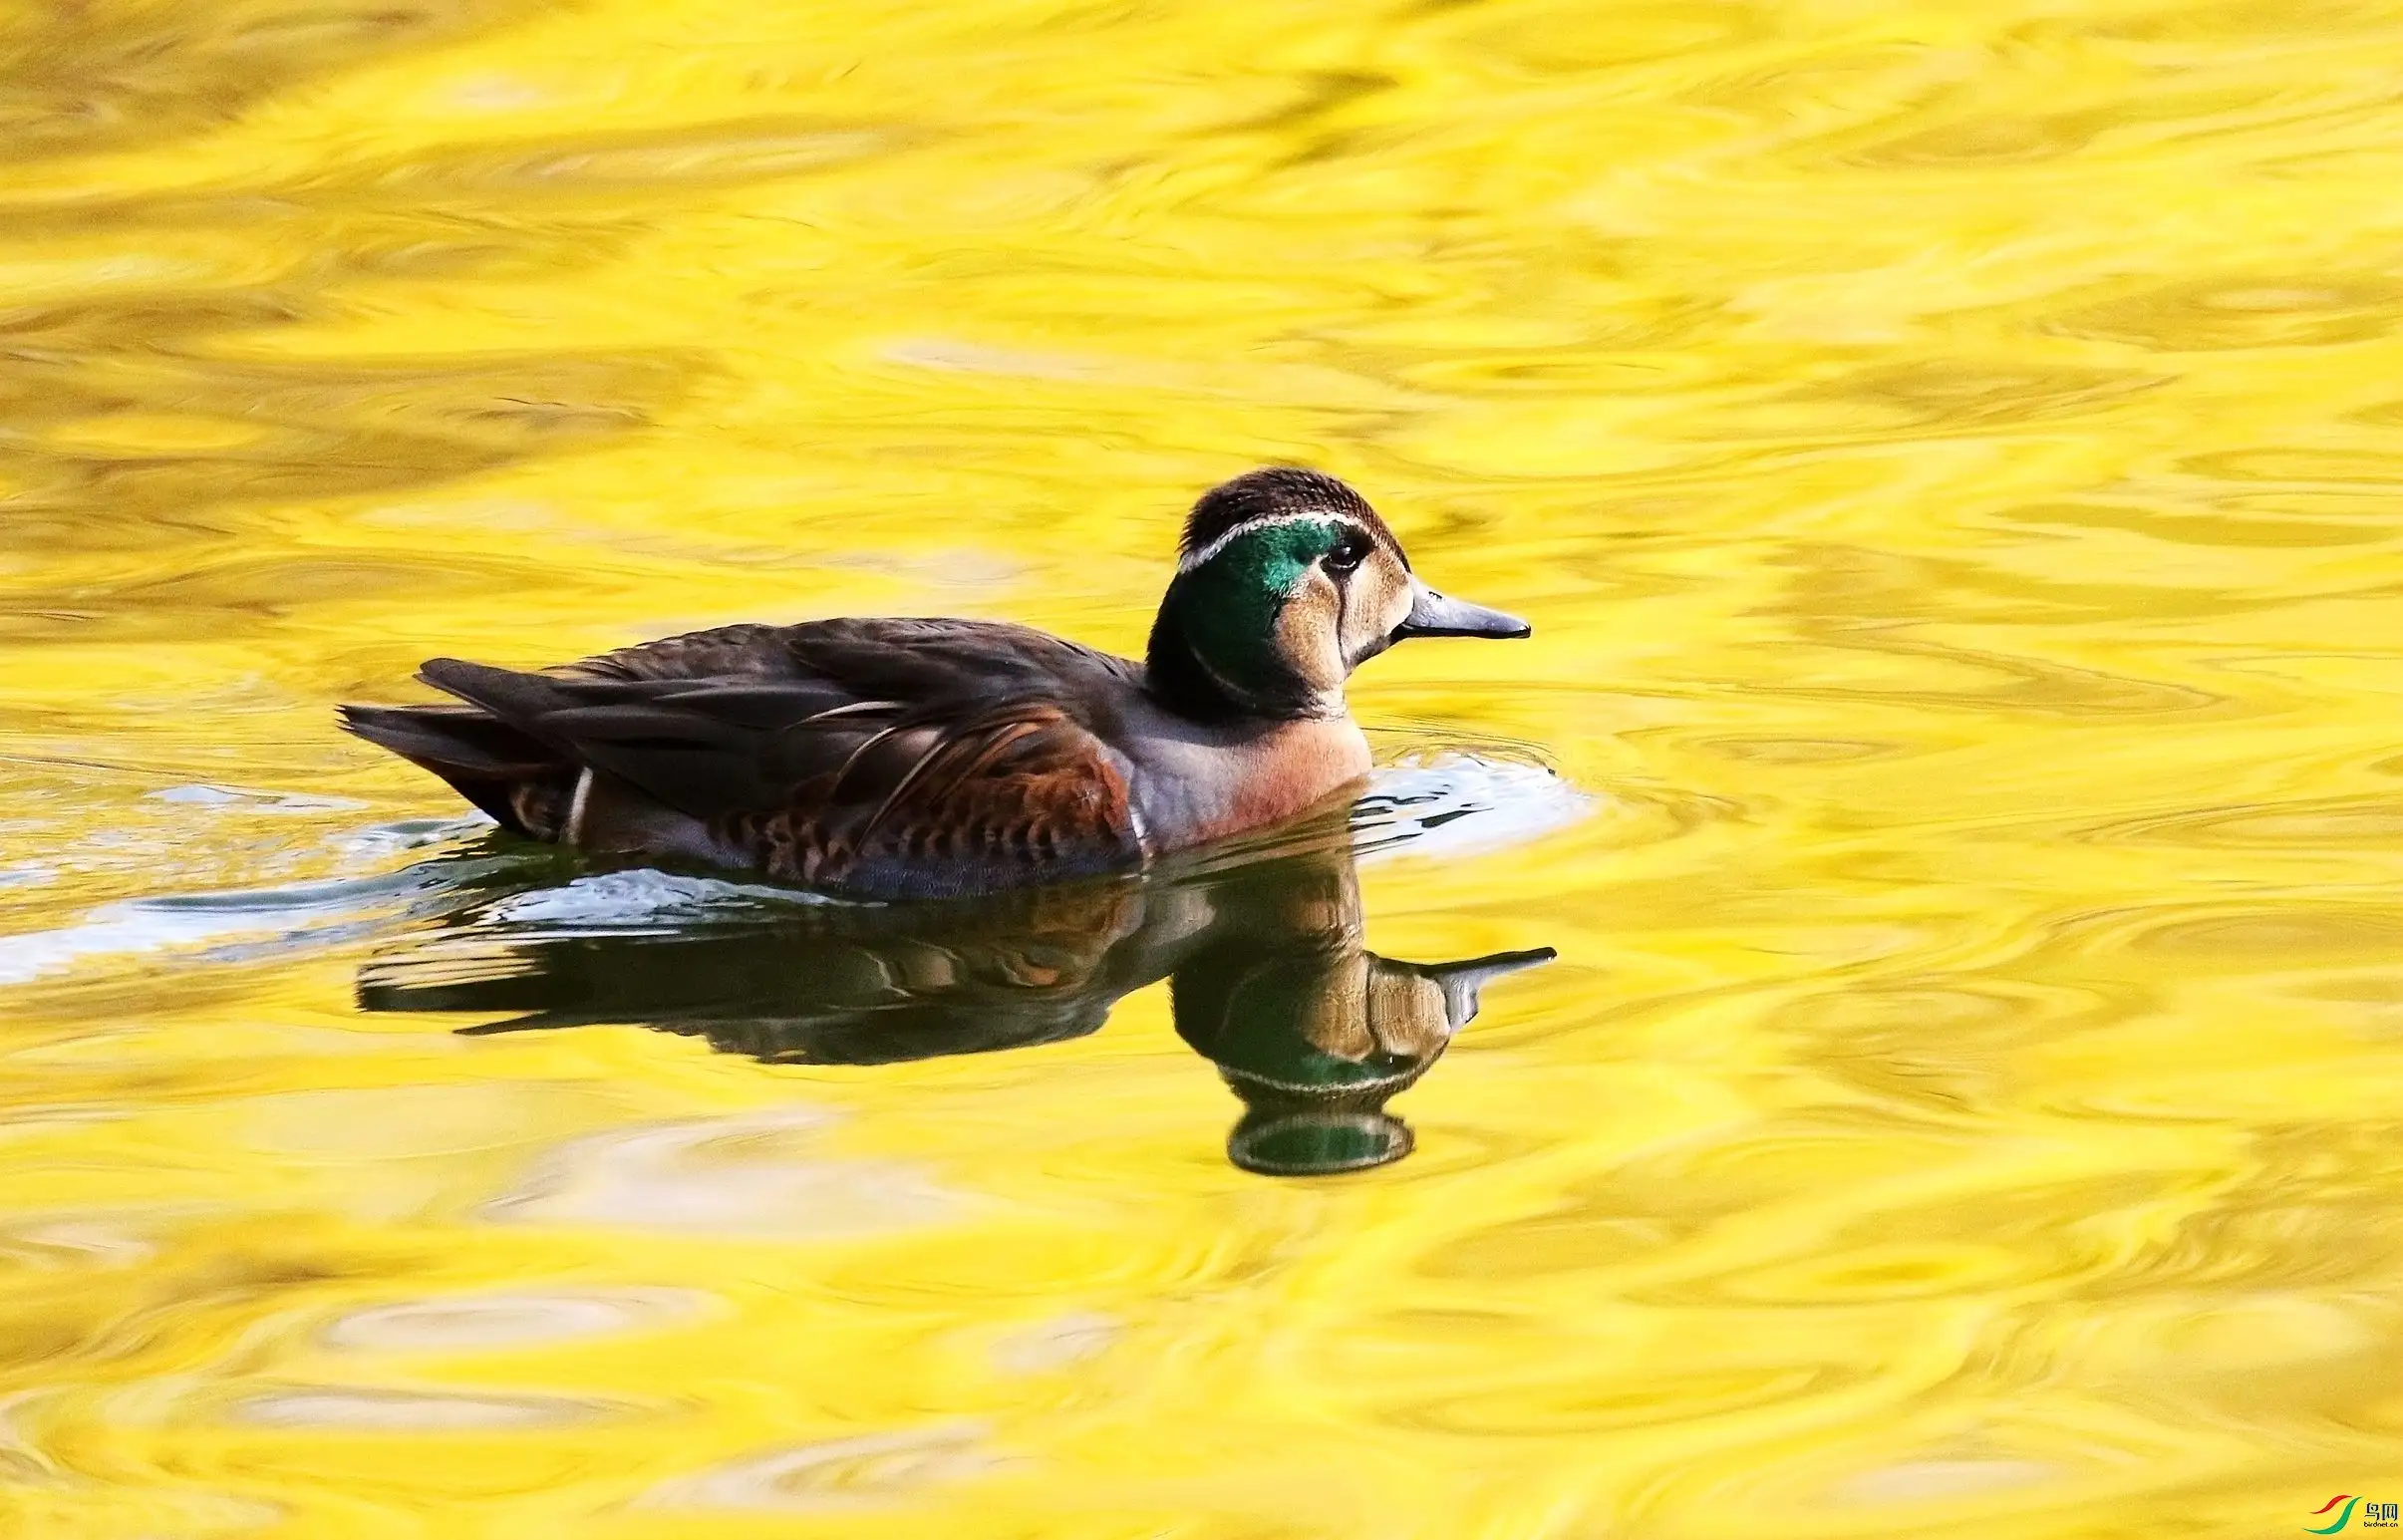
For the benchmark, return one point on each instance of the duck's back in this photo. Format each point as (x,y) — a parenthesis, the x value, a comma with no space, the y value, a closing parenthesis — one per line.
(885,758)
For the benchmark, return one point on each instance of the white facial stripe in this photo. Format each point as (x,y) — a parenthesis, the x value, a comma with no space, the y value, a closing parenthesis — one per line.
(1266,522)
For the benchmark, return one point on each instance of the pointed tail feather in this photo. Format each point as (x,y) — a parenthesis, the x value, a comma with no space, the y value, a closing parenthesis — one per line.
(512,778)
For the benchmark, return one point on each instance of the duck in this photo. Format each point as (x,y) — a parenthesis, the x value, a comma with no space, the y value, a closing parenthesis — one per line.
(898,758)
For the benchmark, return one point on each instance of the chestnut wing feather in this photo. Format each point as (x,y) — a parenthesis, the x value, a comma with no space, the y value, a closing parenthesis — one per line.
(1018,794)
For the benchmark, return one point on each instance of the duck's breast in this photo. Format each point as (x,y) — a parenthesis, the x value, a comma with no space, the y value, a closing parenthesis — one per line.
(1190,784)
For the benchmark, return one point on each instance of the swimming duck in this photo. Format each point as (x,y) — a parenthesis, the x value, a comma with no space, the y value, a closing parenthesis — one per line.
(911,759)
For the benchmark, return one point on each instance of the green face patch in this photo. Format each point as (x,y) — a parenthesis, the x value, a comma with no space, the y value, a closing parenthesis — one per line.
(1227,607)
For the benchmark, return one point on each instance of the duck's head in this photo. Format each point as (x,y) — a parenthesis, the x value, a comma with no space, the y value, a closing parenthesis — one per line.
(1288,582)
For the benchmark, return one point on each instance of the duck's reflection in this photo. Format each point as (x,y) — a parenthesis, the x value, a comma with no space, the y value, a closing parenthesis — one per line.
(1267,976)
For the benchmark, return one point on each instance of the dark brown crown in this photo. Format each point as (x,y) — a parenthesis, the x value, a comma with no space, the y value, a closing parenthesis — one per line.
(1278,489)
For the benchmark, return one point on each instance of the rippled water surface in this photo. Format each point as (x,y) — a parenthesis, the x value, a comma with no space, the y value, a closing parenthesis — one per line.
(1950,454)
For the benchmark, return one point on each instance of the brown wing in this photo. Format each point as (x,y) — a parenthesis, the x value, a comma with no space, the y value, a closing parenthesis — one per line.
(892,759)
(923,662)
(1015,794)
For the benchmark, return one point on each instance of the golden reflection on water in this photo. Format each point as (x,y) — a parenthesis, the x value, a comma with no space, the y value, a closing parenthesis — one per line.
(1948,456)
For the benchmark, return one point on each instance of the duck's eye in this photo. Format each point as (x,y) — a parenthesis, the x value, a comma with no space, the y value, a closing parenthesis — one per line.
(1349,553)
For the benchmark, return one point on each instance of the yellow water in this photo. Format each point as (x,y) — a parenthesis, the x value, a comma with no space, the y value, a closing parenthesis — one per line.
(1949,454)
